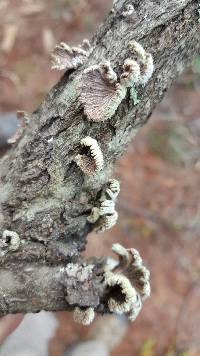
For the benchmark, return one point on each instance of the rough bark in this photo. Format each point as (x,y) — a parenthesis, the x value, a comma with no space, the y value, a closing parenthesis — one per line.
(44,196)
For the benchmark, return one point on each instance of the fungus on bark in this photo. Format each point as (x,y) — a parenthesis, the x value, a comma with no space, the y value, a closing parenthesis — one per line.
(104,215)
(10,241)
(130,263)
(144,59)
(128,281)
(84,316)
(131,73)
(121,295)
(65,57)
(106,222)
(107,207)
(90,162)
(128,11)
(101,90)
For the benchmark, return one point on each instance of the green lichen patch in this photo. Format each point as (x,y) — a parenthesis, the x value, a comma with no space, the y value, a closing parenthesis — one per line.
(134,96)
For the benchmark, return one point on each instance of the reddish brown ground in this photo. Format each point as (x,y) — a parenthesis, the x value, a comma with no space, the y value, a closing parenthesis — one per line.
(159,204)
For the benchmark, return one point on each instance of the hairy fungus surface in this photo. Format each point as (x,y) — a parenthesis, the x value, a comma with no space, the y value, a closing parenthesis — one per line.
(65,57)
(145,61)
(10,241)
(131,73)
(84,316)
(102,92)
(93,161)
(106,222)
(128,11)
(131,264)
(127,282)
(104,216)
(135,309)
(121,295)
(86,164)
(107,207)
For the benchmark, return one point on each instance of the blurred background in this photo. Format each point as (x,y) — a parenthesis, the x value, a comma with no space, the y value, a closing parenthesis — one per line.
(159,204)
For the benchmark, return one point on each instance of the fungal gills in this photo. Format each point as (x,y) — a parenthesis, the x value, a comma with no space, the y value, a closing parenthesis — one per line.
(10,241)
(84,316)
(65,57)
(101,91)
(104,216)
(106,222)
(127,283)
(131,263)
(128,293)
(93,162)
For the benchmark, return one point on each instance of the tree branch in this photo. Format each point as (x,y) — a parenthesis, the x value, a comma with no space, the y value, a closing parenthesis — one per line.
(44,196)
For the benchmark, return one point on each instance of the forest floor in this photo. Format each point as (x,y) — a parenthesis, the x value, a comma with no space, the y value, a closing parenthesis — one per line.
(159,204)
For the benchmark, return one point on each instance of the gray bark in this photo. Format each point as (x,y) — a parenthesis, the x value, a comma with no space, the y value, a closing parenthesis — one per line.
(44,196)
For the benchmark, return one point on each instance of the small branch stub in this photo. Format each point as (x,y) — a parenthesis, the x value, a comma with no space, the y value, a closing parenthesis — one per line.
(123,285)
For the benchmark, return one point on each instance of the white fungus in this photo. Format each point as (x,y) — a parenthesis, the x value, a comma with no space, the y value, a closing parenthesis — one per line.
(65,57)
(84,316)
(104,216)
(122,294)
(92,163)
(12,240)
(130,262)
(106,222)
(101,92)
(107,207)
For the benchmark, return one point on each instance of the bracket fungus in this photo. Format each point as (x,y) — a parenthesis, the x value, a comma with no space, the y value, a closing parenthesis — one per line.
(102,91)
(65,57)
(106,222)
(104,216)
(91,161)
(145,61)
(113,189)
(10,241)
(101,94)
(107,207)
(84,316)
(130,74)
(127,283)
(130,263)
(128,11)
(121,294)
